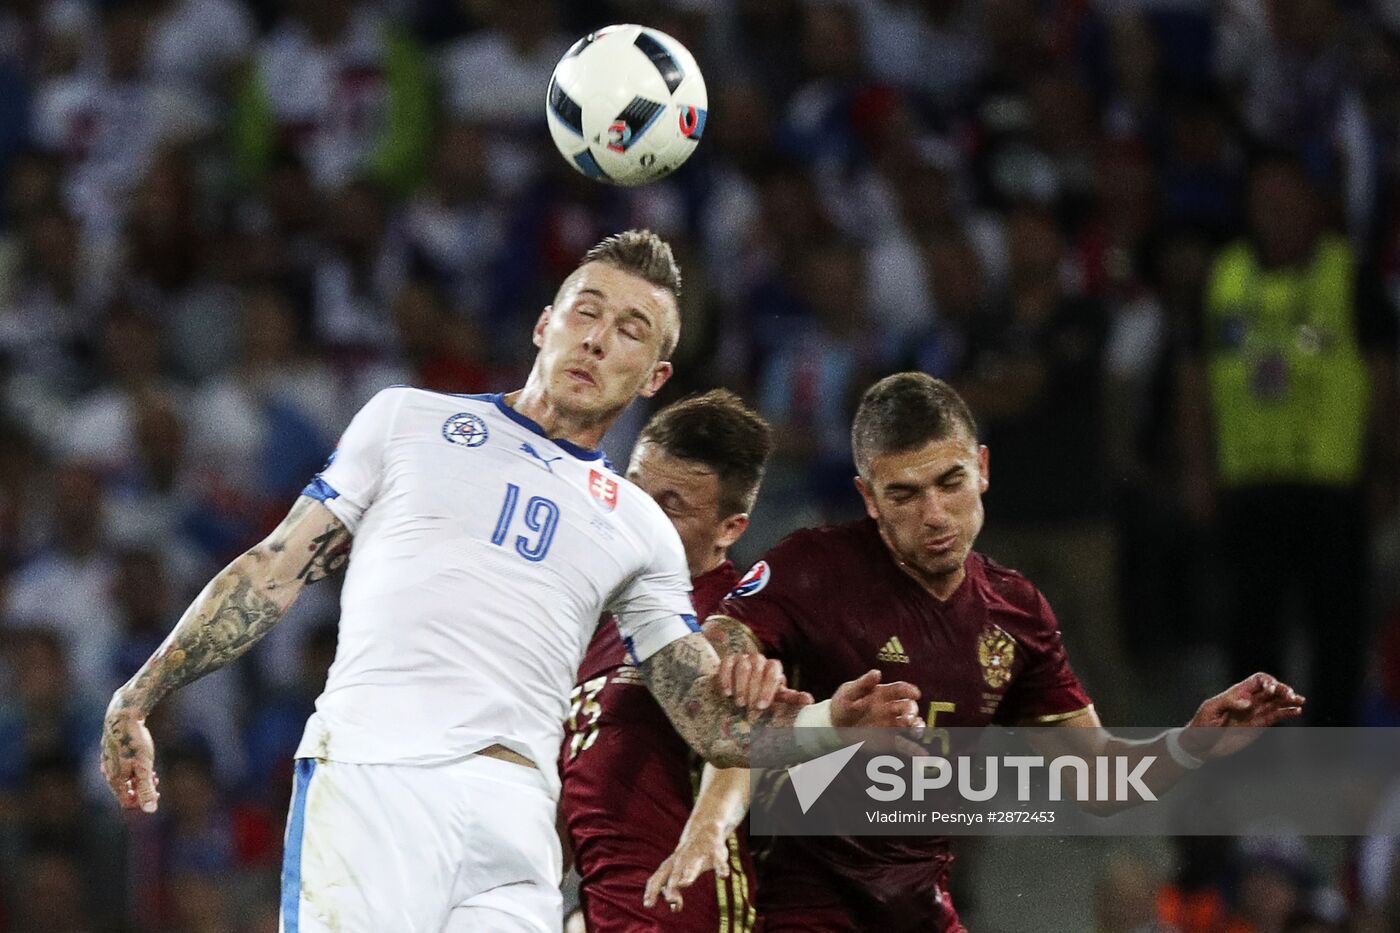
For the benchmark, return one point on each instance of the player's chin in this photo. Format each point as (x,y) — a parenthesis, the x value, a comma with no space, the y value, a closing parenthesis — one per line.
(946,558)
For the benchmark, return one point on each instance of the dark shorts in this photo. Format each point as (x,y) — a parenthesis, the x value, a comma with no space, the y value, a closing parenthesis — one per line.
(612,900)
(813,899)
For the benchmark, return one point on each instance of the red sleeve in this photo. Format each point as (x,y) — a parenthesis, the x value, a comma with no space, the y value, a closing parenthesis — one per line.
(763,600)
(1046,689)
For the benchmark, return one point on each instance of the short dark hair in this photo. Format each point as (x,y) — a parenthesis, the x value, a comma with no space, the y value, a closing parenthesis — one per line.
(645,255)
(716,429)
(905,411)
(641,253)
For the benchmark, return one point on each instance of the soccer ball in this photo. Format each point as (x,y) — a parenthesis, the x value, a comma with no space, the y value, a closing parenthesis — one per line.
(626,105)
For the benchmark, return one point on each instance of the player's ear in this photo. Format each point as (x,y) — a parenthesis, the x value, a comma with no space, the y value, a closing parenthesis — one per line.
(868,495)
(659,374)
(984,468)
(731,529)
(537,337)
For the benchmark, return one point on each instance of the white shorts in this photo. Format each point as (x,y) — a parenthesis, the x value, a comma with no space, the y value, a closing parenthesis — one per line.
(447,849)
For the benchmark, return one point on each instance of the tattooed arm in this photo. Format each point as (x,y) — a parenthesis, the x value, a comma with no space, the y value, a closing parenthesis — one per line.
(239,606)
(723,799)
(685,677)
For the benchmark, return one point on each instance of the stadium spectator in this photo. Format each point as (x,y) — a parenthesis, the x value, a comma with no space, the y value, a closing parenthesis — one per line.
(441,350)
(453,224)
(50,301)
(198,45)
(931,48)
(756,37)
(47,715)
(496,76)
(1033,380)
(170,274)
(361,268)
(108,120)
(1300,92)
(344,89)
(819,125)
(279,234)
(256,429)
(100,427)
(809,385)
(736,152)
(60,817)
(1291,424)
(63,588)
(1202,169)
(1161,591)
(278,718)
(960,292)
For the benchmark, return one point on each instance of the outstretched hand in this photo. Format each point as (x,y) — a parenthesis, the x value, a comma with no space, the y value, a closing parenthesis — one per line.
(129,761)
(865,702)
(1257,702)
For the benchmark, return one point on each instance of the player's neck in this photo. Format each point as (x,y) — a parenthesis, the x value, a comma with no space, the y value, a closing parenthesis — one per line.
(534,403)
(709,564)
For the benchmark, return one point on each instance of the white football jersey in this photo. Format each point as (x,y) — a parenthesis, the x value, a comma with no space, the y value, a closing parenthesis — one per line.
(483,555)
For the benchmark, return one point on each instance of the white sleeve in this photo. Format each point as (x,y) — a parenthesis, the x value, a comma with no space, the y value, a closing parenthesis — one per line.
(653,609)
(350,480)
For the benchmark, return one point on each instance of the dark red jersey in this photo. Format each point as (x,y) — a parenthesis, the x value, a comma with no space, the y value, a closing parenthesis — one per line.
(629,781)
(832,603)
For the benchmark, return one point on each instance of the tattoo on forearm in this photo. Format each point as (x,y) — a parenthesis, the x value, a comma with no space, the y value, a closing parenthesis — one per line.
(238,608)
(730,636)
(329,552)
(207,639)
(681,677)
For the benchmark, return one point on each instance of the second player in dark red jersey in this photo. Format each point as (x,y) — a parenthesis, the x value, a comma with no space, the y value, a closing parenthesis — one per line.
(833,603)
(903,592)
(629,779)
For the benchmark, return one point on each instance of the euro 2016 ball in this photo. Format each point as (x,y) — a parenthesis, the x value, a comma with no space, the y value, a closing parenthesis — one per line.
(626,105)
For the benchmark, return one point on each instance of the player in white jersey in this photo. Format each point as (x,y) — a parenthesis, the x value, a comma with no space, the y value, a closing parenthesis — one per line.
(485,536)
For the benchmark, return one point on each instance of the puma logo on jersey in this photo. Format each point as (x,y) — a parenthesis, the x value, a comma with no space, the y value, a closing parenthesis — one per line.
(893,652)
(545,461)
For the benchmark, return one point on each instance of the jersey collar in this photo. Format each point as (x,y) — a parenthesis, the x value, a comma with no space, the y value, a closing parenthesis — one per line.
(530,424)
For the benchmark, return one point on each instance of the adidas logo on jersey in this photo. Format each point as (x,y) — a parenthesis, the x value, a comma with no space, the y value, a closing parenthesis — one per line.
(893,652)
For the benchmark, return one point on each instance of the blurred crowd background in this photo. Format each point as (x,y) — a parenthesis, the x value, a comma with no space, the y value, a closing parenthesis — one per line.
(1156,243)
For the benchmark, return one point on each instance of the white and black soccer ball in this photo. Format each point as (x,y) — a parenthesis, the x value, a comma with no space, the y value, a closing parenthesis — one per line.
(626,105)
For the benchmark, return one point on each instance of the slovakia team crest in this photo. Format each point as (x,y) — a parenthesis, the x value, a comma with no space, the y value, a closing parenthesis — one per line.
(603,489)
(753,581)
(466,429)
